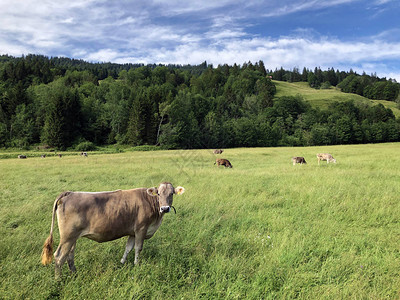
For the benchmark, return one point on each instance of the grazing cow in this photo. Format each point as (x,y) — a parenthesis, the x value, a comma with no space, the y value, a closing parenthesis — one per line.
(21,156)
(106,216)
(298,160)
(84,154)
(223,162)
(325,156)
(43,156)
(218,151)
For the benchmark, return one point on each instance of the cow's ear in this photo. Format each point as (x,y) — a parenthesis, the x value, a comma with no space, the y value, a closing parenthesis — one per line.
(179,190)
(152,191)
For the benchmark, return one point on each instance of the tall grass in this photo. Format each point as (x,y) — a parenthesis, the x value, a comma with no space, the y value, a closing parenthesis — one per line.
(264,229)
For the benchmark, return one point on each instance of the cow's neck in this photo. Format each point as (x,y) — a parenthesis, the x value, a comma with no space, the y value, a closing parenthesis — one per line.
(156,207)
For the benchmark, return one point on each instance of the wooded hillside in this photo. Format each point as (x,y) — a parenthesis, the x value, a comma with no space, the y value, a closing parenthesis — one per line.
(65,103)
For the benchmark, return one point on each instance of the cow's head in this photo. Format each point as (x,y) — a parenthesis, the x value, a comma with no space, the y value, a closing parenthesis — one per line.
(165,193)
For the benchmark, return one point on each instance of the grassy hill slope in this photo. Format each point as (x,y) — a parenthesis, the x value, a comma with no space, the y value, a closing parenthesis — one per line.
(322,98)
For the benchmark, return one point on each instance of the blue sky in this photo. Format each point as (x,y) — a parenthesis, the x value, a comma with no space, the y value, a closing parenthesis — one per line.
(341,34)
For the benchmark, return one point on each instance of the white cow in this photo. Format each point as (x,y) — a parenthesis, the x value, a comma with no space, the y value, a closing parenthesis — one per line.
(326,156)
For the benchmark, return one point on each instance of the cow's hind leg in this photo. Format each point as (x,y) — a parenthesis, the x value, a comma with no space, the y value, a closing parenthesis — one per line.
(129,245)
(70,258)
(61,255)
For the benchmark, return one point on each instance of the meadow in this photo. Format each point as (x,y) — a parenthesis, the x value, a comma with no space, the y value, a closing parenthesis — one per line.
(321,98)
(263,230)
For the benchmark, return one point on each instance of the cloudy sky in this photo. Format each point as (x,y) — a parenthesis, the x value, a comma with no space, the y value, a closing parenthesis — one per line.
(360,34)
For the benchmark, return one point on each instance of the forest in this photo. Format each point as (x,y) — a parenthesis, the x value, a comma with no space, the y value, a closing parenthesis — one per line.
(72,104)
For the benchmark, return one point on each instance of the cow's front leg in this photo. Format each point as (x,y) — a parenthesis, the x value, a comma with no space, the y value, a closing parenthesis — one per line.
(129,245)
(138,246)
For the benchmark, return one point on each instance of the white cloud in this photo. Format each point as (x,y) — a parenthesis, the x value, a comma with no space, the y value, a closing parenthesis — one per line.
(103,55)
(224,34)
(177,7)
(242,8)
(286,52)
(392,34)
(381,2)
(286,7)
(68,21)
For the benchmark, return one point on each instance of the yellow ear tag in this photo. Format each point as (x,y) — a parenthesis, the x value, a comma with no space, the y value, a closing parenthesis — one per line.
(154,193)
(179,192)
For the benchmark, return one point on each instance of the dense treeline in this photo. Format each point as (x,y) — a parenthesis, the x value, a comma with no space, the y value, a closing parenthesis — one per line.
(62,103)
(369,86)
(45,69)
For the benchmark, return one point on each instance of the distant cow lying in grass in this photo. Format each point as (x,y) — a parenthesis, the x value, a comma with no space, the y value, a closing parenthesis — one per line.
(223,162)
(218,151)
(326,156)
(21,156)
(298,160)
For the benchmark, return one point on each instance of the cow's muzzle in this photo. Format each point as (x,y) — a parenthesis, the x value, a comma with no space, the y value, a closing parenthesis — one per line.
(165,209)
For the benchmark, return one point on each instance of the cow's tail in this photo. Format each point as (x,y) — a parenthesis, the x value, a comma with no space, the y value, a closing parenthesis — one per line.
(47,253)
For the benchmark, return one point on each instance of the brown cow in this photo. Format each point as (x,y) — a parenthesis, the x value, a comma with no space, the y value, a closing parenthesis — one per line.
(298,160)
(106,216)
(218,151)
(223,162)
(325,156)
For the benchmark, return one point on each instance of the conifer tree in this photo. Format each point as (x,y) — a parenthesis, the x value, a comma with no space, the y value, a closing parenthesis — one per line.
(137,121)
(62,122)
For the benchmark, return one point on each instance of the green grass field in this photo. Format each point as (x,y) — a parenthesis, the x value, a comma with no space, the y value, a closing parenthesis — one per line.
(323,97)
(263,230)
